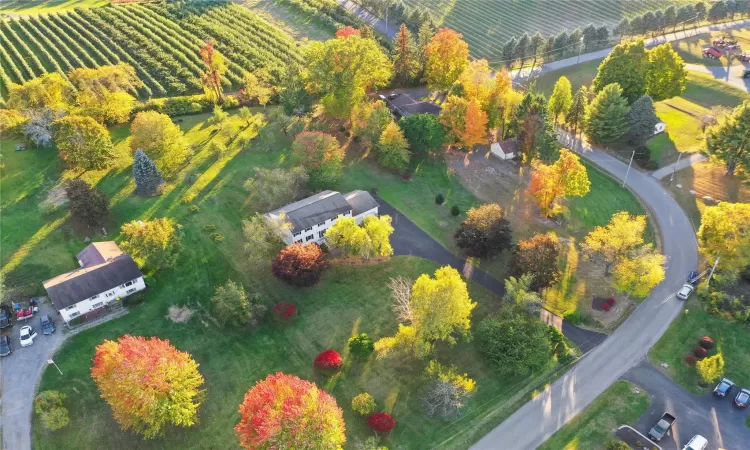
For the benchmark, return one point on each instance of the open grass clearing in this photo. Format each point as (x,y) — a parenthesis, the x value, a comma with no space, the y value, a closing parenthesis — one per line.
(294,23)
(622,403)
(579,75)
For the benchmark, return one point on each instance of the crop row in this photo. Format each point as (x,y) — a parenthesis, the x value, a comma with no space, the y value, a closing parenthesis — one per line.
(22,47)
(25,33)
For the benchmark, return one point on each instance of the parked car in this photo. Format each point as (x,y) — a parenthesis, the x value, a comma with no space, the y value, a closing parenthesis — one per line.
(27,335)
(685,291)
(48,326)
(698,442)
(712,53)
(381,97)
(5,347)
(722,389)
(746,74)
(25,313)
(662,427)
(6,316)
(742,399)
(393,95)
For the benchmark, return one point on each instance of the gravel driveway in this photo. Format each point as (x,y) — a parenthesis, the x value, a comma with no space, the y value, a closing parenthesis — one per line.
(19,375)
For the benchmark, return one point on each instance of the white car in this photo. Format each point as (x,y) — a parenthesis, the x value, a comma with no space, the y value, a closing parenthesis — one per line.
(698,442)
(685,291)
(27,336)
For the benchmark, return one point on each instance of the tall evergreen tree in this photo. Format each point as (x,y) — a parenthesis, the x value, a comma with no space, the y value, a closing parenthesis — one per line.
(522,48)
(509,51)
(626,65)
(577,112)
(405,65)
(670,17)
(623,28)
(147,176)
(607,118)
(561,41)
(642,119)
(589,36)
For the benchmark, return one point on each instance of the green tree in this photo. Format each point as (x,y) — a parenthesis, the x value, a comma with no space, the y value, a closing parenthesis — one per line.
(627,65)
(518,295)
(231,306)
(293,94)
(405,64)
(320,154)
(576,115)
(561,99)
(102,92)
(393,149)
(638,274)
(424,133)
(514,344)
(369,119)
(361,345)
(710,369)
(724,233)
(273,188)
(447,57)
(148,179)
(666,76)
(257,87)
(616,241)
(342,70)
(161,139)
(642,119)
(85,203)
(607,116)
(617,445)
(263,238)
(153,244)
(83,142)
(535,131)
(49,406)
(729,140)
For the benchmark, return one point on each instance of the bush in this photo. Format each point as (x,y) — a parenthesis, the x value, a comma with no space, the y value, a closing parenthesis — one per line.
(573,317)
(381,422)
(375,191)
(363,404)
(193,209)
(299,265)
(706,342)
(440,199)
(209,228)
(690,360)
(284,311)
(328,359)
(217,237)
(361,345)
(49,405)
(700,352)
(455,211)
(606,306)
(617,445)
(611,301)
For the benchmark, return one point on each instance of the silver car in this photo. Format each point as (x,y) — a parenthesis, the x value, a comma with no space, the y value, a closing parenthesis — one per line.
(685,291)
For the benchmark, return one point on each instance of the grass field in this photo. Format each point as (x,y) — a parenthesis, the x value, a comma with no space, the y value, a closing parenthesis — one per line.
(592,429)
(46,6)
(731,338)
(579,75)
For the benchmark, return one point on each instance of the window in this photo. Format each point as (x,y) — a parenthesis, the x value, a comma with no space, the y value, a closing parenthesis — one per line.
(122,286)
(75,314)
(129,283)
(70,308)
(94,297)
(309,238)
(299,241)
(297,233)
(110,294)
(321,234)
(321,225)
(130,291)
(97,305)
(308,229)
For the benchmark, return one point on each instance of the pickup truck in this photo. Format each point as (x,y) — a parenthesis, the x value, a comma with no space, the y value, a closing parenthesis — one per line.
(662,427)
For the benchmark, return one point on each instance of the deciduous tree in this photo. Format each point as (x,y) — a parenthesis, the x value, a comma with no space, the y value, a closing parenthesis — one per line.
(371,238)
(446,390)
(642,119)
(393,149)
(725,233)
(148,383)
(424,133)
(320,154)
(567,177)
(293,93)
(514,344)
(161,139)
(148,179)
(537,256)
(561,99)
(710,369)
(666,76)
(257,87)
(447,57)
(627,65)
(214,68)
(272,188)
(101,92)
(607,116)
(299,265)
(617,240)
(90,205)
(519,296)
(83,142)
(369,120)
(233,307)
(153,244)
(49,406)
(49,91)
(638,274)
(347,31)
(263,238)
(464,121)
(729,140)
(485,232)
(284,411)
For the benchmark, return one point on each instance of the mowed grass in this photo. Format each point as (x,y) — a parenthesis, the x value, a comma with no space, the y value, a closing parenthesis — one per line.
(47,6)
(579,75)
(732,339)
(592,429)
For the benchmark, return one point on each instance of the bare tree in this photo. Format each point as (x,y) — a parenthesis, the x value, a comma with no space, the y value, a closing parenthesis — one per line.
(401,294)
(443,399)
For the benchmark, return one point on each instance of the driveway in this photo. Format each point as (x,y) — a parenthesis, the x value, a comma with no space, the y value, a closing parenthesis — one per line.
(549,411)
(409,240)
(19,375)
(715,419)
(734,77)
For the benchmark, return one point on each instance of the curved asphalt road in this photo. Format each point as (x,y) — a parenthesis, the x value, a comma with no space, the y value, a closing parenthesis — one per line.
(541,417)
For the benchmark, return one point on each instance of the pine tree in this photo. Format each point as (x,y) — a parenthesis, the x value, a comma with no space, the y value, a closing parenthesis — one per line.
(642,119)
(405,65)
(147,176)
(607,117)
(577,113)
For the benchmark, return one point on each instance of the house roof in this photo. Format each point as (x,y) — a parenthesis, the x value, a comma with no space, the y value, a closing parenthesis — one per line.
(105,266)
(509,146)
(422,108)
(360,202)
(313,210)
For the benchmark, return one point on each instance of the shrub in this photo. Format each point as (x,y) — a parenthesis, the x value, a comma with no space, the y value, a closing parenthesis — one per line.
(455,211)
(217,237)
(209,228)
(188,198)
(381,422)
(617,445)
(706,342)
(690,360)
(361,345)
(49,405)
(611,301)
(573,317)
(328,359)
(700,352)
(606,306)
(193,209)
(440,199)
(284,311)
(363,404)
(299,265)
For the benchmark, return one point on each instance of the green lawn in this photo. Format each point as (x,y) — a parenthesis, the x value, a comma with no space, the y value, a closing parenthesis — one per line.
(731,338)
(46,6)
(579,75)
(592,429)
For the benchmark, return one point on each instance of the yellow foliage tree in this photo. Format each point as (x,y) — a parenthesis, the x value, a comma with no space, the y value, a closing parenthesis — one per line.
(371,238)
(617,240)
(447,57)
(710,369)
(639,274)
(565,177)
(161,139)
(102,91)
(725,233)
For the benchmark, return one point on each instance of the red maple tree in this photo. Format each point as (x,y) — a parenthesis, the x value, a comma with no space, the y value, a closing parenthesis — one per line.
(328,359)
(348,31)
(299,264)
(381,422)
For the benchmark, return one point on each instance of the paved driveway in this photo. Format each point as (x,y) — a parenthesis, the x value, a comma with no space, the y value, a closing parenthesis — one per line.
(19,375)
(715,419)
(408,239)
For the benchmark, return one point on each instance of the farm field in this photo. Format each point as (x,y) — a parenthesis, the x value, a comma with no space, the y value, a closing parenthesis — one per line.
(46,6)
(160,41)
(486,25)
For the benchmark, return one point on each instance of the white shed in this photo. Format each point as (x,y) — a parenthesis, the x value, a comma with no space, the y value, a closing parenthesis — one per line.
(659,128)
(504,149)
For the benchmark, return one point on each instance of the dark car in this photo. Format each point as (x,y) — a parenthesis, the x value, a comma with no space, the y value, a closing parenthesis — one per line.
(393,95)
(722,389)
(742,399)
(48,326)
(5,347)
(6,316)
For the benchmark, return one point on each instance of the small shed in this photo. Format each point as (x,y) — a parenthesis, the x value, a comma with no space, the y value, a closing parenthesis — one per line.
(506,149)
(659,128)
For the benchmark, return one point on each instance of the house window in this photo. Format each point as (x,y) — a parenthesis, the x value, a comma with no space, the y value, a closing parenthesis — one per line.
(122,286)
(96,305)
(320,225)
(70,308)
(75,314)
(297,233)
(110,294)
(130,291)
(309,238)
(308,229)
(321,234)
(299,241)
(94,297)
(129,283)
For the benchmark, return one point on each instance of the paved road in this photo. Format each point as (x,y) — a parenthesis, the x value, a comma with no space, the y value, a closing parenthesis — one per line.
(541,417)
(688,161)
(370,18)
(19,375)
(409,239)
(720,73)
(715,419)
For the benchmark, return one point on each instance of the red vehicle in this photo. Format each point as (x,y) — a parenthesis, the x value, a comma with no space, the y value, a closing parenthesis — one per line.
(25,313)
(711,53)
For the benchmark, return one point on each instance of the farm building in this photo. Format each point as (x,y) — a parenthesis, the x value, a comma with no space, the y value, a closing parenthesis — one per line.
(107,274)
(313,216)
(505,149)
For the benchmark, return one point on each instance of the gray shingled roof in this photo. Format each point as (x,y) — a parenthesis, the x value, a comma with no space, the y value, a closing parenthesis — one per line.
(360,201)
(313,210)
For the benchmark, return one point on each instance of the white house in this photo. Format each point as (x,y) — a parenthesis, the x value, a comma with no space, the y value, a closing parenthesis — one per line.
(107,274)
(504,149)
(313,216)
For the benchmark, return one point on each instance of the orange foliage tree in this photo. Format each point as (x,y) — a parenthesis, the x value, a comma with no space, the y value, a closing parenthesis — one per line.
(148,383)
(215,66)
(348,31)
(464,121)
(284,411)
(447,57)
(565,177)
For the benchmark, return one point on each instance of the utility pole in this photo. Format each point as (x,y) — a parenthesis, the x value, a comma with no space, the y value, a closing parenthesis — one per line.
(716,263)
(49,361)
(629,164)
(580,49)
(674,169)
